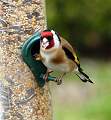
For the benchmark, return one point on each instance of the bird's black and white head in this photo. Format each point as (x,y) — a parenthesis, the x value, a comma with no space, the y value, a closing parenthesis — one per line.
(49,39)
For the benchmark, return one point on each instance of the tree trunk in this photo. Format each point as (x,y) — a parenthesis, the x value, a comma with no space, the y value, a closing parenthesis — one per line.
(20,96)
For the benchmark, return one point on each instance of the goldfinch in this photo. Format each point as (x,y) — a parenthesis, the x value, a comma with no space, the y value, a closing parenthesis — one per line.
(57,54)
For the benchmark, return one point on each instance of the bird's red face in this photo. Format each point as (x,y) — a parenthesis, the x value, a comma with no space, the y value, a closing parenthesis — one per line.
(47,40)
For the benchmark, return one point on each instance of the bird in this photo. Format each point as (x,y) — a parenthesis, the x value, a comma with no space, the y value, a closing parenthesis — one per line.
(57,54)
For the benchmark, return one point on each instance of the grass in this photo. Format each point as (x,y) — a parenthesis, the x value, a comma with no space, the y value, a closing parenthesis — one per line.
(75,100)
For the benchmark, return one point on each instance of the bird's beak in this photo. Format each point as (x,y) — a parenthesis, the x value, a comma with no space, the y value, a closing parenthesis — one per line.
(45,43)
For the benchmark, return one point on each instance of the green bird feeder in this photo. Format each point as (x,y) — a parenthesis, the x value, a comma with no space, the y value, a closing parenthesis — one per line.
(31,47)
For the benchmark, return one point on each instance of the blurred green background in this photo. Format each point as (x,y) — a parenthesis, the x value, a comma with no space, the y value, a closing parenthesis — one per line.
(86,24)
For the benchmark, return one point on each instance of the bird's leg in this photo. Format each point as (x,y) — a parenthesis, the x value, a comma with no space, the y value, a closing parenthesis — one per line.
(50,71)
(45,77)
(59,79)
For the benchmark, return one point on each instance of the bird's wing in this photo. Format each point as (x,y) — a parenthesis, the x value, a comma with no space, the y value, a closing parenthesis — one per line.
(70,52)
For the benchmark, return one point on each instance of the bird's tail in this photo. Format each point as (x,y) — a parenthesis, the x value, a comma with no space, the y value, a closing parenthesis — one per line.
(82,75)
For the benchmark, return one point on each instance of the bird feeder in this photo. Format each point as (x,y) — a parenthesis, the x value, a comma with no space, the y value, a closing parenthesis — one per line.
(29,48)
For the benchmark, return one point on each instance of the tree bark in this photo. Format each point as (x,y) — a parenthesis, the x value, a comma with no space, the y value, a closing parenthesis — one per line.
(20,96)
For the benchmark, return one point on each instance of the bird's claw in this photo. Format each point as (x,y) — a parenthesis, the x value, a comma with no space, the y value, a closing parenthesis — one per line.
(58,81)
(45,77)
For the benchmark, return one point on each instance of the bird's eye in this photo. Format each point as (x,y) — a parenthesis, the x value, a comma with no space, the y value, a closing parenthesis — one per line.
(49,38)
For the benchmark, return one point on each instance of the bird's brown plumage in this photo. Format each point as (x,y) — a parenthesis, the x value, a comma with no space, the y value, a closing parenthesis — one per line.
(66,44)
(60,56)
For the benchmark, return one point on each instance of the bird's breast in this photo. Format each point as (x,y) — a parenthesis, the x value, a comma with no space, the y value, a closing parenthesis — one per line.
(57,60)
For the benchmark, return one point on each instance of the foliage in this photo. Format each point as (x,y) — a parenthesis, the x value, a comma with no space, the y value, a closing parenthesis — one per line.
(86,23)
